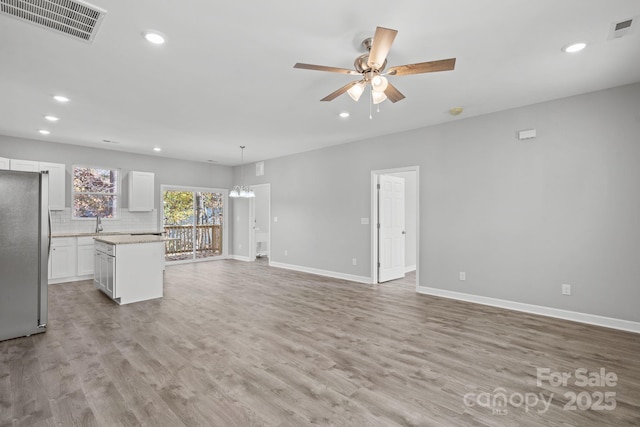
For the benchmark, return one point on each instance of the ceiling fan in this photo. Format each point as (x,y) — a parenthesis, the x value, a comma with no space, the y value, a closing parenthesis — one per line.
(371,66)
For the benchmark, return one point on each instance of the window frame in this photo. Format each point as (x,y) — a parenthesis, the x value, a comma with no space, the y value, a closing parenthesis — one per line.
(117,195)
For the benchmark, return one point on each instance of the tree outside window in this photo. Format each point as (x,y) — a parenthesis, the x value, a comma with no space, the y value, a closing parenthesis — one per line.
(95,192)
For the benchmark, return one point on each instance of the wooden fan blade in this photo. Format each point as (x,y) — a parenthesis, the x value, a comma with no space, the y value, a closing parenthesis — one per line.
(423,67)
(323,68)
(338,92)
(382,41)
(393,94)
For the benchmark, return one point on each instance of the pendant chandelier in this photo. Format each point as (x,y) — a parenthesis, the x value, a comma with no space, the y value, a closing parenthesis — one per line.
(242,190)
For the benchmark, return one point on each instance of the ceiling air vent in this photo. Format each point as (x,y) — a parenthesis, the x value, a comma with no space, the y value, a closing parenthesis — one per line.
(76,19)
(622,28)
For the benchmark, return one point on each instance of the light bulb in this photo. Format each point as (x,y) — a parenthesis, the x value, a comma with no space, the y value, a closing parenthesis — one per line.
(378,97)
(574,47)
(379,83)
(155,37)
(356,90)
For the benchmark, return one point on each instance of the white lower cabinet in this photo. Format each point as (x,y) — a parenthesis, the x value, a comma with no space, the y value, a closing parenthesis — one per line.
(85,256)
(131,272)
(71,259)
(62,259)
(105,272)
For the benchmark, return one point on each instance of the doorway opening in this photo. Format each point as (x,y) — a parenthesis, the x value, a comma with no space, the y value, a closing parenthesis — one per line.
(193,223)
(260,223)
(395,226)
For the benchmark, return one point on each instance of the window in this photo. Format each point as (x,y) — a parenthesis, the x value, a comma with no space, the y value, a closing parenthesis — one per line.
(95,192)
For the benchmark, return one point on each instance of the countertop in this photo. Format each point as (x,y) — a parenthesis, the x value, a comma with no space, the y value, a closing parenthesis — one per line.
(105,233)
(128,239)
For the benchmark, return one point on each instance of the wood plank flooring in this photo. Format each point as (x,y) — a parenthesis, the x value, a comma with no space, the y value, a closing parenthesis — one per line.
(244,344)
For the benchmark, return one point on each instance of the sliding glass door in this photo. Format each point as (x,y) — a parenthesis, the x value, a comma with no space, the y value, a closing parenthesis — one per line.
(193,220)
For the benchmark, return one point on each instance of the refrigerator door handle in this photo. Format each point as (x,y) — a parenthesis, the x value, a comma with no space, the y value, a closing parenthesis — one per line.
(45,215)
(49,246)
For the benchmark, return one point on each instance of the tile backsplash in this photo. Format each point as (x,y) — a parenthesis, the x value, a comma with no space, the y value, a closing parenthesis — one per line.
(61,222)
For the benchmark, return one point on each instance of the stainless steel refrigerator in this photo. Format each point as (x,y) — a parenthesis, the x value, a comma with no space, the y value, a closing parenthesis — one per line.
(24,252)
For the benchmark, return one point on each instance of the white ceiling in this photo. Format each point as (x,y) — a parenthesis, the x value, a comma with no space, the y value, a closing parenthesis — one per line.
(225,77)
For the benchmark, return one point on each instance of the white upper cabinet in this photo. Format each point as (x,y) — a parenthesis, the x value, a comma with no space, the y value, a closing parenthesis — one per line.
(5,163)
(57,187)
(24,165)
(141,190)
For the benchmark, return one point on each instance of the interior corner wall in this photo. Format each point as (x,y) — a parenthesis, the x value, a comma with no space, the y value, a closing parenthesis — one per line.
(519,217)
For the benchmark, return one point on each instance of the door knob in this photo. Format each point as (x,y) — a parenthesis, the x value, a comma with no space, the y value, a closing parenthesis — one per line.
(404,232)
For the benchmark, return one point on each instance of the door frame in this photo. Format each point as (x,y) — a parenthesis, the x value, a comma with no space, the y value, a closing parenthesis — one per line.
(374,219)
(225,218)
(252,221)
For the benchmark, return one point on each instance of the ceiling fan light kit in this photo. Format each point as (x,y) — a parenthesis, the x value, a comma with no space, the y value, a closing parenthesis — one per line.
(371,65)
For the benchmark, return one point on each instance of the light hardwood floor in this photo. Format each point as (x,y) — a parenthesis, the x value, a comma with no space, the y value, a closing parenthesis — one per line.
(241,344)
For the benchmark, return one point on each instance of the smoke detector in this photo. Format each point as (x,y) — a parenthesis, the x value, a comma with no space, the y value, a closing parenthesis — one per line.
(73,18)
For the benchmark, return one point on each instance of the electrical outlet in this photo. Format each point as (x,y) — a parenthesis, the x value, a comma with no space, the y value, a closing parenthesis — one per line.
(354,261)
(566,289)
(239,245)
(463,275)
(286,252)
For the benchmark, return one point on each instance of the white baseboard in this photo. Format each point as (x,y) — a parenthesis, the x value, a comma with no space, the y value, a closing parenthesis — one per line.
(240,257)
(333,274)
(591,319)
(409,269)
(70,279)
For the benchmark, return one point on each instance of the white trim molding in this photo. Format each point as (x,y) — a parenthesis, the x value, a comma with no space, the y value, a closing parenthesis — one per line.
(240,258)
(326,273)
(591,319)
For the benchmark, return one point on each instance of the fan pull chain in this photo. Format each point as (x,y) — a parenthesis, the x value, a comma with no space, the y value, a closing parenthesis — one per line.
(370,103)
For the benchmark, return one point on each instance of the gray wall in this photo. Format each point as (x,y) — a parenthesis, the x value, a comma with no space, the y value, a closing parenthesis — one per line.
(167,171)
(519,217)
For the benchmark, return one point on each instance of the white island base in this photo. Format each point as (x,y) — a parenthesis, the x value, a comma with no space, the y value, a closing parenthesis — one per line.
(129,268)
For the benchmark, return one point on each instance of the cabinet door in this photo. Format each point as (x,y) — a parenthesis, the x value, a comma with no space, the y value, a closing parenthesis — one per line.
(24,165)
(5,163)
(85,260)
(57,184)
(141,188)
(62,262)
(97,272)
(110,283)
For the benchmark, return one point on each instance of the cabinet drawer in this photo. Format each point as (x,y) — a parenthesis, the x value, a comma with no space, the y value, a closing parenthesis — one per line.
(106,248)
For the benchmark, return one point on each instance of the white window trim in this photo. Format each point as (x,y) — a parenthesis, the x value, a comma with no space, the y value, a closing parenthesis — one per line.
(118,194)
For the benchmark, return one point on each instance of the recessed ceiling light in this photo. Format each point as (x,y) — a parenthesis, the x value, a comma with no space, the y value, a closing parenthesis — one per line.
(344,114)
(157,149)
(44,131)
(61,98)
(155,37)
(574,47)
(51,118)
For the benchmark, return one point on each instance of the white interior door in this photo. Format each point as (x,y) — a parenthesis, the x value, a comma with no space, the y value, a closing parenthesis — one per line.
(391,233)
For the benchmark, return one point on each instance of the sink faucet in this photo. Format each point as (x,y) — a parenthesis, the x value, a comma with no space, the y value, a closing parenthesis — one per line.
(98,224)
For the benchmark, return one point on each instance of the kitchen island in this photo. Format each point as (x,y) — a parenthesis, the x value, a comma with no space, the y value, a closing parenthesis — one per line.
(129,268)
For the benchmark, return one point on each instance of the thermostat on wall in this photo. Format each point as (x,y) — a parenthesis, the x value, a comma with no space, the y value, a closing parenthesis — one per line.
(527,134)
